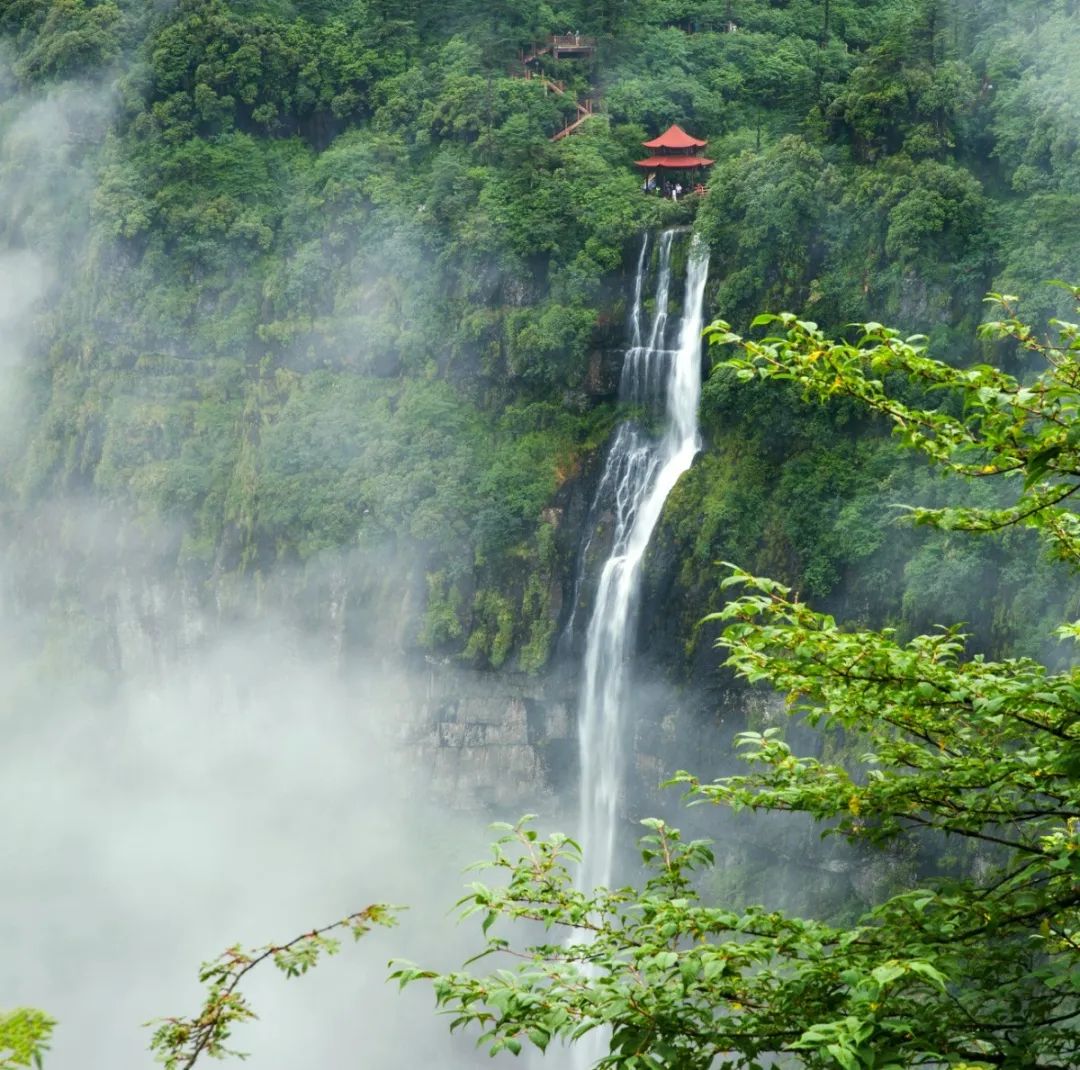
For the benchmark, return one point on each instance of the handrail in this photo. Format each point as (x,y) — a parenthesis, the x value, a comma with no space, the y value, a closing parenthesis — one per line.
(572,127)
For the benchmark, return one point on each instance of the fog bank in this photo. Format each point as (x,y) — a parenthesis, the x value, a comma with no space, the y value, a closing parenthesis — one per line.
(244,795)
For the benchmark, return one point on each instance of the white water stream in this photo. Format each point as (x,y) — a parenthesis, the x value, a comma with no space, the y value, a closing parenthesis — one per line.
(662,375)
(641,470)
(664,380)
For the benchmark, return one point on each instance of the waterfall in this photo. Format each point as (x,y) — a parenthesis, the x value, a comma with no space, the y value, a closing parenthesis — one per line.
(640,471)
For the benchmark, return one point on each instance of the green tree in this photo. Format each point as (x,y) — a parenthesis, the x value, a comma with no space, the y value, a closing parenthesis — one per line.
(977,966)
(179,1042)
(24,1037)
(68,37)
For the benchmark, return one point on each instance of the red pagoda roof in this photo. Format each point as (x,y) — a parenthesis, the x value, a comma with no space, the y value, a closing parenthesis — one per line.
(674,137)
(675,161)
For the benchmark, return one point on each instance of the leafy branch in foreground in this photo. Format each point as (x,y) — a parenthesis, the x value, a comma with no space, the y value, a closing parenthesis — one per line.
(24,1037)
(179,1042)
(1025,430)
(978,966)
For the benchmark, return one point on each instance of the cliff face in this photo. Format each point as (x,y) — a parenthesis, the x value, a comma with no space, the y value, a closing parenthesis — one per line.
(499,742)
(306,321)
(98,610)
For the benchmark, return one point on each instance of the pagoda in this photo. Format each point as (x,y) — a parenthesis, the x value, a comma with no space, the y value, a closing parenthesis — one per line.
(675,149)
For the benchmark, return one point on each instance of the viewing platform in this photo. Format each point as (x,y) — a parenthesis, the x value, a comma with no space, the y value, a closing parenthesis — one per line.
(559,45)
(572,45)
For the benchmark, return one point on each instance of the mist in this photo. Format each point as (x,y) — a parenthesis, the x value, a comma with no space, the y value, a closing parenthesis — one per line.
(172,785)
(244,795)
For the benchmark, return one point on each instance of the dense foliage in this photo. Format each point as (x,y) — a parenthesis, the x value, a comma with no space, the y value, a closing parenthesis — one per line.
(305,242)
(979,964)
(316,295)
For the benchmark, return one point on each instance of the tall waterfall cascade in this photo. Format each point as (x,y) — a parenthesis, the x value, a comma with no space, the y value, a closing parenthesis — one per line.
(661,375)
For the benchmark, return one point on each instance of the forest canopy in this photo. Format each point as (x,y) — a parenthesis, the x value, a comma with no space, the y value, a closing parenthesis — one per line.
(262,206)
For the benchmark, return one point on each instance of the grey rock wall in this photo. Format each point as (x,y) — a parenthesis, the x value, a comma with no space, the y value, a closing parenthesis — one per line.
(112,611)
(482,740)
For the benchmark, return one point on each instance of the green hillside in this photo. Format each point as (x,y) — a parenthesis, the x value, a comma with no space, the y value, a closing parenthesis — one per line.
(319,286)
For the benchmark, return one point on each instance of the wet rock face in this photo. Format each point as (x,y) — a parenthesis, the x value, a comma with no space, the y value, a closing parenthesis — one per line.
(602,378)
(477,740)
(489,741)
(480,740)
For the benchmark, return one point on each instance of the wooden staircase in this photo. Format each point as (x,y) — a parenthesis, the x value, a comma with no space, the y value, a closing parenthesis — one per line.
(585,111)
(557,45)
(535,53)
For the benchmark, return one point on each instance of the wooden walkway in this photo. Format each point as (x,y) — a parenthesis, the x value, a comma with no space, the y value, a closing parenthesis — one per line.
(572,127)
(556,46)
